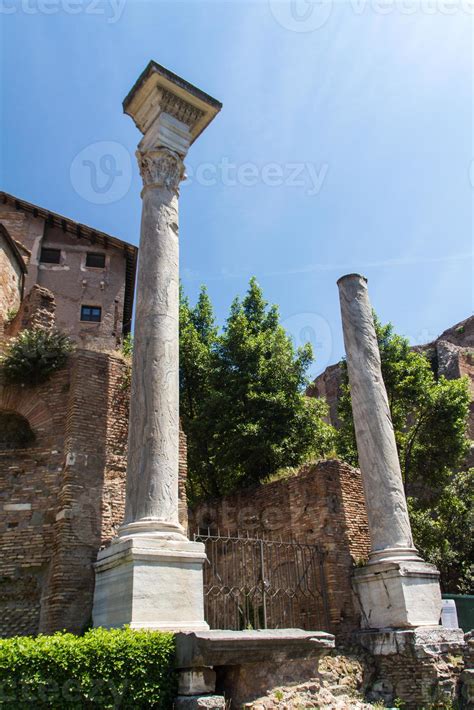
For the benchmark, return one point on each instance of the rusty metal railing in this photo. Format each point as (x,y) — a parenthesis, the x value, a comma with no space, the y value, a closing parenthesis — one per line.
(253,583)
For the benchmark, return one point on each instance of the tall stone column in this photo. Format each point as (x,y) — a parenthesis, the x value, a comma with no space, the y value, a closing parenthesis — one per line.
(152,473)
(151,575)
(396,588)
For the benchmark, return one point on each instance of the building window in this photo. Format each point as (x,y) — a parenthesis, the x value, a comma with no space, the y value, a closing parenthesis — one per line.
(50,256)
(92,314)
(95,260)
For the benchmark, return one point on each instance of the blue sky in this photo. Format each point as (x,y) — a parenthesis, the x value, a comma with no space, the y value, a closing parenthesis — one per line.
(344,144)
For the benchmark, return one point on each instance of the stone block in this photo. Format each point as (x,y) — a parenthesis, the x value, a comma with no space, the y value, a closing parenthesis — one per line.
(196,702)
(401,594)
(227,648)
(423,642)
(196,681)
(150,583)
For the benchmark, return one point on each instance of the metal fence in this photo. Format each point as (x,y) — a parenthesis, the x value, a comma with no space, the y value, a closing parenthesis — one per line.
(251,583)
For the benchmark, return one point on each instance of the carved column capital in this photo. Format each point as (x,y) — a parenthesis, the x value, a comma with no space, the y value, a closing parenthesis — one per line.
(160,167)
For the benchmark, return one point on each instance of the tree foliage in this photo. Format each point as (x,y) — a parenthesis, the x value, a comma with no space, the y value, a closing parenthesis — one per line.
(242,396)
(443,532)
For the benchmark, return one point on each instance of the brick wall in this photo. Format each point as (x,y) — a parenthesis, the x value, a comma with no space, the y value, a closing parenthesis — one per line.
(324,505)
(63,498)
(29,481)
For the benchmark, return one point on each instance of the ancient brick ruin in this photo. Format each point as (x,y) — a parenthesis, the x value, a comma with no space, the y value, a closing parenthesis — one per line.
(323,505)
(62,497)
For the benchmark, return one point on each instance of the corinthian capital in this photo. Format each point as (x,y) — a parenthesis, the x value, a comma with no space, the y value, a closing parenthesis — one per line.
(169,111)
(160,167)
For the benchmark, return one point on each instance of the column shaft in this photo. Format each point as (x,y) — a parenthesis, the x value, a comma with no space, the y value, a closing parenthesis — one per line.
(153,442)
(387,513)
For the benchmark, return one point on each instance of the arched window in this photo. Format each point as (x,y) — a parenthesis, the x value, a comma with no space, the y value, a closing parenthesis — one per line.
(15,431)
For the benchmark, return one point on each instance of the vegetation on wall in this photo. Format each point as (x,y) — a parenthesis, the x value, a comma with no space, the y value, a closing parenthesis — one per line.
(11,314)
(34,355)
(102,669)
(242,398)
(430,420)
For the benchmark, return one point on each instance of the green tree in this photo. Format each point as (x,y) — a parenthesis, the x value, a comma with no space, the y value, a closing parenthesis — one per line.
(429,416)
(443,533)
(197,340)
(242,396)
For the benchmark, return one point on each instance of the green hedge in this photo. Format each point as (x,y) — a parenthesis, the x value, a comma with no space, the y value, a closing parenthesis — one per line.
(117,668)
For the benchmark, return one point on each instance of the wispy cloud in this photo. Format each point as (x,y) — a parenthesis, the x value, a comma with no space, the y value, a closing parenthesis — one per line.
(193,275)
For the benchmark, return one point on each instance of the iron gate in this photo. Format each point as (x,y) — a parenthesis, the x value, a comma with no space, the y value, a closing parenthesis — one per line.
(251,583)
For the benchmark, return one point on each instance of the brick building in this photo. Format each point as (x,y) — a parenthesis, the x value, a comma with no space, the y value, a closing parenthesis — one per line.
(90,274)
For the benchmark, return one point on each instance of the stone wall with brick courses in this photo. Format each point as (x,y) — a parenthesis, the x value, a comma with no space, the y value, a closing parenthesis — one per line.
(29,483)
(37,310)
(77,531)
(74,479)
(421,680)
(323,505)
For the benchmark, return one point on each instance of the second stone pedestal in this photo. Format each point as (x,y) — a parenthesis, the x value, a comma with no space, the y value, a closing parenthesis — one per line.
(401,594)
(150,583)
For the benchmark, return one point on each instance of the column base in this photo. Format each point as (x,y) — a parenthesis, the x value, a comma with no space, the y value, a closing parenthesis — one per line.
(152,528)
(150,583)
(398,594)
(394,554)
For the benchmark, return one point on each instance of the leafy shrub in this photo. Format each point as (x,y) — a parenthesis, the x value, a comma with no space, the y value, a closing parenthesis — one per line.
(34,355)
(127,346)
(117,668)
(11,314)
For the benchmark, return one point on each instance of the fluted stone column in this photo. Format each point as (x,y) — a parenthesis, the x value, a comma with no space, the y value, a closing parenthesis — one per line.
(396,588)
(151,575)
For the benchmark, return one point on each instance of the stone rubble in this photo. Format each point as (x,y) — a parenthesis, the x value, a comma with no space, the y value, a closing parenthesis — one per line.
(337,685)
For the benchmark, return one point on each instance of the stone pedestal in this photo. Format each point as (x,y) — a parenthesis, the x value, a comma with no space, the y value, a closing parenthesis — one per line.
(403,594)
(151,575)
(396,588)
(150,584)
